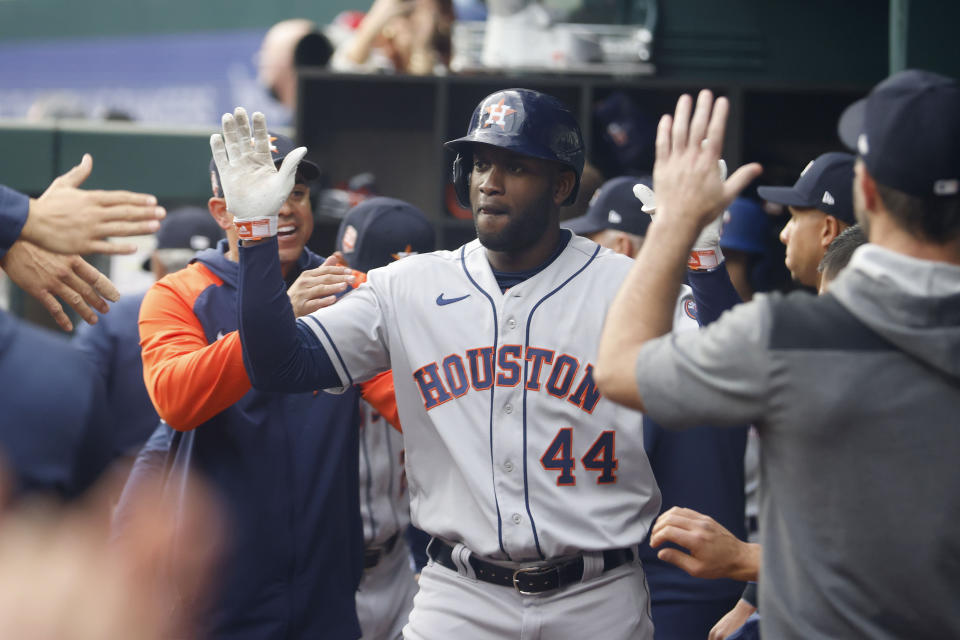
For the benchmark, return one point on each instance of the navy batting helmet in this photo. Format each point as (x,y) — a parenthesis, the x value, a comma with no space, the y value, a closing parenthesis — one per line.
(524,121)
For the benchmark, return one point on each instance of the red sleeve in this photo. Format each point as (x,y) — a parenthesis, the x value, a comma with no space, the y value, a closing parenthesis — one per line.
(189,381)
(378,391)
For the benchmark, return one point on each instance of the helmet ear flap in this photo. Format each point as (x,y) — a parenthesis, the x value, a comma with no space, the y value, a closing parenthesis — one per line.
(461,178)
(572,198)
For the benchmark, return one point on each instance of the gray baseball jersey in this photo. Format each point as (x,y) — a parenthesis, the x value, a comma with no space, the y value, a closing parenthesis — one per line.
(510,448)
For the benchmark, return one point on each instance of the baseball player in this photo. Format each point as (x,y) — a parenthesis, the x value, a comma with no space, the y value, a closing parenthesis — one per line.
(535,488)
(377,232)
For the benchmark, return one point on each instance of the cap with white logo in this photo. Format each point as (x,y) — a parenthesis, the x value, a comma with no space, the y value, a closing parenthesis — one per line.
(908,133)
(613,206)
(826,183)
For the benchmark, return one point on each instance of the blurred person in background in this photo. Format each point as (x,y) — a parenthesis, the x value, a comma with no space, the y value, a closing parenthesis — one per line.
(287,45)
(113,344)
(405,36)
(55,432)
(614,218)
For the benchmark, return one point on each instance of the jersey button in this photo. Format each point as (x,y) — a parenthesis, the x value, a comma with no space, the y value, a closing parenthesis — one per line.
(511,323)
(508,466)
(508,408)
(516,518)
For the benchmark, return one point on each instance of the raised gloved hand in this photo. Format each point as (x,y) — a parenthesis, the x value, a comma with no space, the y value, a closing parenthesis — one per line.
(254,188)
(706,253)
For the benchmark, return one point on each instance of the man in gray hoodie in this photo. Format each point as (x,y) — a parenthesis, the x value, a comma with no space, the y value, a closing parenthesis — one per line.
(856,393)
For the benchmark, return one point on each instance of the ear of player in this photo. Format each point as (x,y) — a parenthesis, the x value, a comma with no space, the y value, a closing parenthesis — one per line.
(706,253)
(254,188)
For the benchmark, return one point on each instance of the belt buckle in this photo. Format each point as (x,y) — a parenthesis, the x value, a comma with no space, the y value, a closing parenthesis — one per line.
(541,570)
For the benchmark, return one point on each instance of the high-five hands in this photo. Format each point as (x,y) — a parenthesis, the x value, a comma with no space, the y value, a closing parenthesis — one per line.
(689,189)
(67,219)
(46,276)
(706,253)
(254,188)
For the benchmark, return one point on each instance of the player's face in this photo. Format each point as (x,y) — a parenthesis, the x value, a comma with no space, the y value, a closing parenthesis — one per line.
(511,197)
(803,237)
(295,224)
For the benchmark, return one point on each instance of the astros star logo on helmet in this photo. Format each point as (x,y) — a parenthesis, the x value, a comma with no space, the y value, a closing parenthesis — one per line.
(498,113)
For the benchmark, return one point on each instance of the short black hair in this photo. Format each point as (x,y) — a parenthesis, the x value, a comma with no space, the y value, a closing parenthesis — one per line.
(934,219)
(840,250)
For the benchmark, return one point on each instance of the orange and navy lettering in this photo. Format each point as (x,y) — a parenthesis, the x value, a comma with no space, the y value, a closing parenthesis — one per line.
(508,358)
(481,379)
(431,386)
(537,358)
(440,383)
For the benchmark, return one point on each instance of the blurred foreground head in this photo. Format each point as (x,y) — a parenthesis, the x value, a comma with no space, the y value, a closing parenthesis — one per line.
(64,579)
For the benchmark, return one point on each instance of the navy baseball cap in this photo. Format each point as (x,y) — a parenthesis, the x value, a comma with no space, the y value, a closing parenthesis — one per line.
(613,206)
(380,230)
(190,228)
(746,226)
(907,130)
(825,184)
(280,146)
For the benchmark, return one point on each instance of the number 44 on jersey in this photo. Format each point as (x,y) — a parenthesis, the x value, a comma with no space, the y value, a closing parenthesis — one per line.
(601,456)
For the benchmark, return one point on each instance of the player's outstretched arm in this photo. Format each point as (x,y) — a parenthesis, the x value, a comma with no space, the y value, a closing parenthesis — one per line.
(277,354)
(713,552)
(47,276)
(67,219)
(690,193)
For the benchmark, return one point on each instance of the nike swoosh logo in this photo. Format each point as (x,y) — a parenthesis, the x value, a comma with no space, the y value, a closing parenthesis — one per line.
(442,301)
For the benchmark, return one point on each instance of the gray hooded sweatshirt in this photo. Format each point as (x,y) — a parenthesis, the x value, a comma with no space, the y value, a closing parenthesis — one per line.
(856,395)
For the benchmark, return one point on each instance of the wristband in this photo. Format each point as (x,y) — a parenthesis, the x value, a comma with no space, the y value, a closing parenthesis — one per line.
(256,228)
(704,259)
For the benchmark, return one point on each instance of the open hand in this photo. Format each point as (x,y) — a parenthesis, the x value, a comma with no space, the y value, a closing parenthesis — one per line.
(714,552)
(689,189)
(319,287)
(253,187)
(47,276)
(67,219)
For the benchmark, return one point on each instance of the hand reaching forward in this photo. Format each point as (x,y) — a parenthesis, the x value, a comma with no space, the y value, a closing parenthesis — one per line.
(689,189)
(319,287)
(67,219)
(714,552)
(45,275)
(254,188)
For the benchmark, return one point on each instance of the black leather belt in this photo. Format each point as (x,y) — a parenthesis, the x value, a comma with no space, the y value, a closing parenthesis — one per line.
(373,555)
(528,580)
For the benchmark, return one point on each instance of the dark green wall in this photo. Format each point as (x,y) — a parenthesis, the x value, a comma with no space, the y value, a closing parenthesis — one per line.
(24,19)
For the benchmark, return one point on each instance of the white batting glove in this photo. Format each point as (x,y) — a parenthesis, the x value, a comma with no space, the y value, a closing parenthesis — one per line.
(706,253)
(254,188)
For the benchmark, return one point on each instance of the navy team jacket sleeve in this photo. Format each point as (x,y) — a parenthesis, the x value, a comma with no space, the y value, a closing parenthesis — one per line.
(713,292)
(279,353)
(14,207)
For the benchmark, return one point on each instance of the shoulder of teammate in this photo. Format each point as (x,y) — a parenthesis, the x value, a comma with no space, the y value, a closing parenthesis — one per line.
(411,266)
(186,284)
